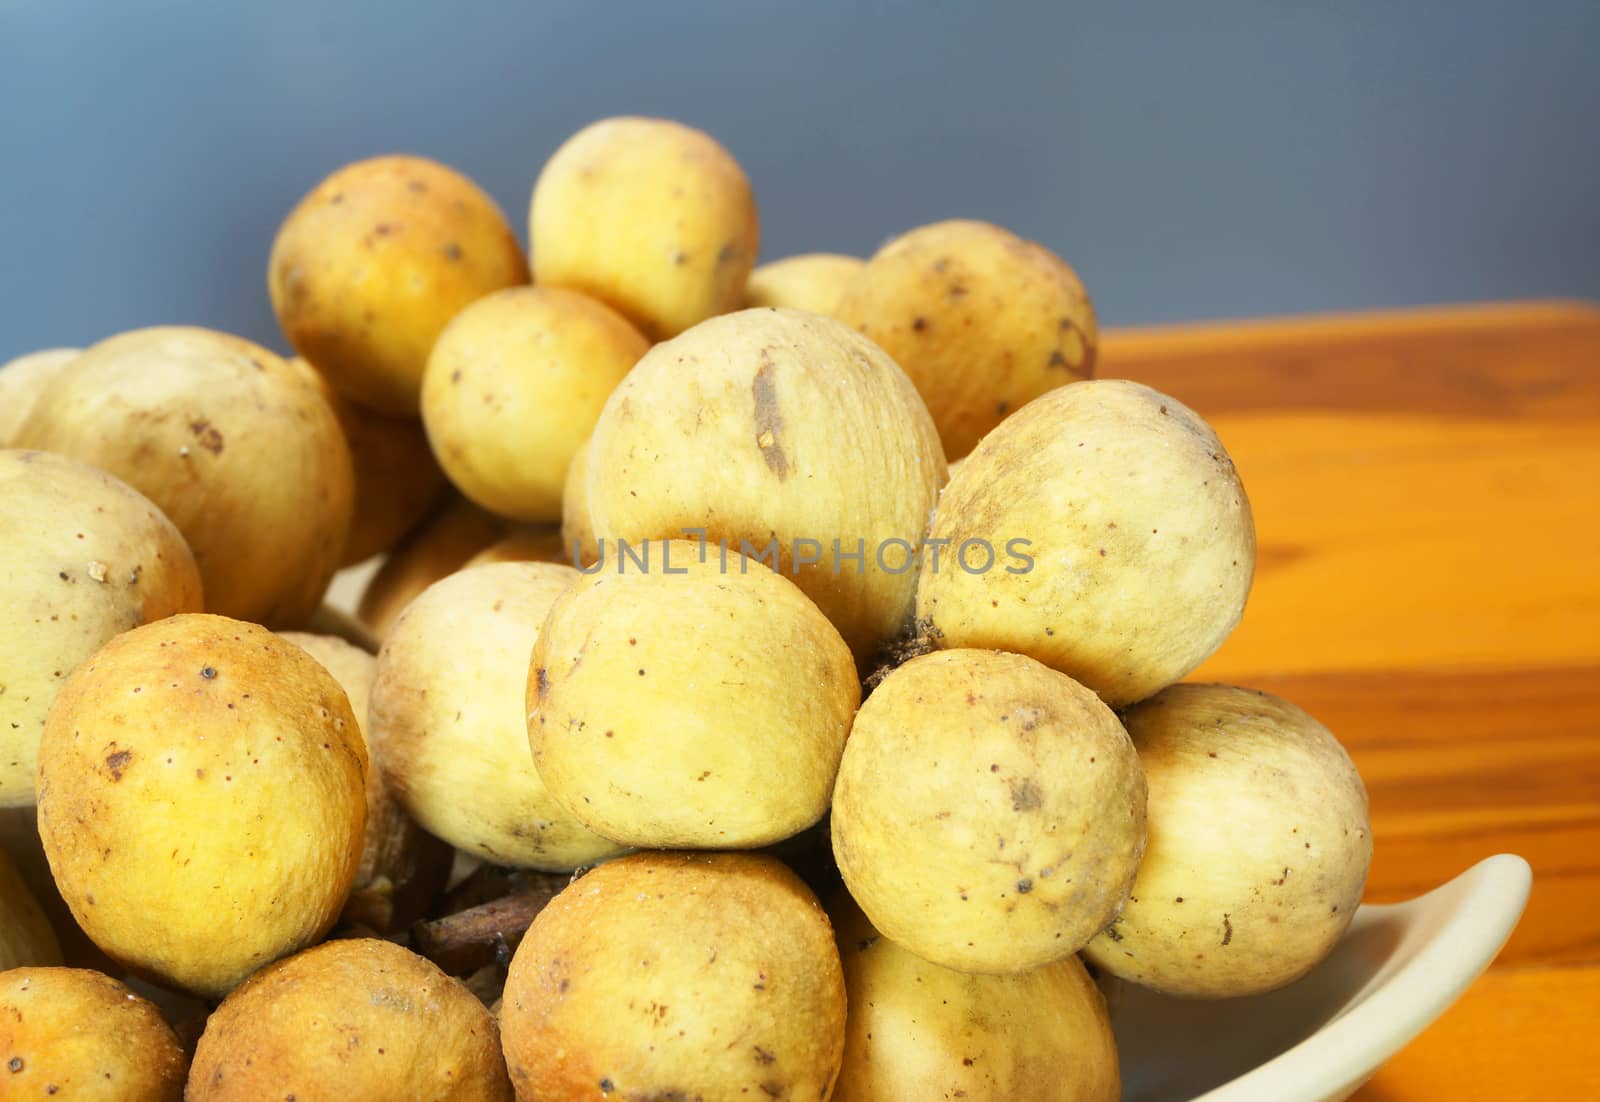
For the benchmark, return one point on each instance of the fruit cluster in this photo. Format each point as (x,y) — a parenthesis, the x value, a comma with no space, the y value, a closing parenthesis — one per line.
(770,687)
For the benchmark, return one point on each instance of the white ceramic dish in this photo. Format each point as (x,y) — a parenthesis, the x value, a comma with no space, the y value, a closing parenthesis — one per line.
(1397,969)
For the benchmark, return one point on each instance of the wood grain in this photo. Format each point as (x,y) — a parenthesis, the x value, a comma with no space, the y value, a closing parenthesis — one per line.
(1426,489)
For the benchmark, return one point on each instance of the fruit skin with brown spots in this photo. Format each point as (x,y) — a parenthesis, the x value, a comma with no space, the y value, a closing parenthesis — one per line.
(990,812)
(1259,845)
(359,1020)
(1137,534)
(448,724)
(83,556)
(917,1031)
(77,1034)
(982,320)
(236,447)
(371,265)
(677,975)
(771,428)
(201,796)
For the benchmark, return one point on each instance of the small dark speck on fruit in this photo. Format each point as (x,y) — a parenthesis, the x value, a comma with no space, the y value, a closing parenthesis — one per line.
(607,1086)
(919,323)
(452,251)
(14,1064)
(209,673)
(1024,885)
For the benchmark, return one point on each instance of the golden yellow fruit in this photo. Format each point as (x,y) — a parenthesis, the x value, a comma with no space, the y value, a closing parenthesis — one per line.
(661,975)
(396,476)
(22,380)
(690,703)
(990,812)
(230,442)
(201,799)
(76,1034)
(916,1031)
(1101,529)
(361,1020)
(810,281)
(83,557)
(373,263)
(650,216)
(514,386)
(982,320)
(448,726)
(1259,845)
(784,434)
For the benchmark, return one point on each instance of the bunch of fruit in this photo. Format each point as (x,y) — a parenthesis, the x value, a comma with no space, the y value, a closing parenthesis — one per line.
(728,738)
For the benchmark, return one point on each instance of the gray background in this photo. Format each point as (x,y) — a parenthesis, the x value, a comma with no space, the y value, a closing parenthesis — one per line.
(1191,160)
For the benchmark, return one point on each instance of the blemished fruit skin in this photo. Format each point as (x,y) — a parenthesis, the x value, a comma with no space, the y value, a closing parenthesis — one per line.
(83,556)
(73,1033)
(990,812)
(1136,531)
(688,704)
(650,216)
(677,975)
(359,1019)
(784,430)
(201,797)
(982,320)
(448,724)
(1259,845)
(236,447)
(373,263)
(917,1031)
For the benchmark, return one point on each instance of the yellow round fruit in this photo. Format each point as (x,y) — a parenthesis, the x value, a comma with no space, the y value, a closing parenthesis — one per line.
(651,217)
(810,281)
(513,388)
(982,321)
(201,797)
(372,264)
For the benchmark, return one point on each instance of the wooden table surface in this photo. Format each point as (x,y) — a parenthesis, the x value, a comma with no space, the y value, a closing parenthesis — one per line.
(1426,489)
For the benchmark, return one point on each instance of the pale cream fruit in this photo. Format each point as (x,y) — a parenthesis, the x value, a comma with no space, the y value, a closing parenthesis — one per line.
(230,442)
(990,812)
(916,1031)
(83,557)
(201,799)
(810,281)
(782,433)
(447,721)
(22,380)
(689,703)
(1259,845)
(1101,529)
(648,215)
